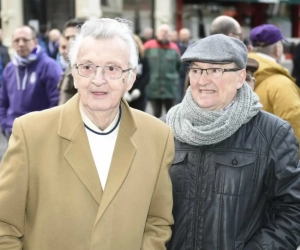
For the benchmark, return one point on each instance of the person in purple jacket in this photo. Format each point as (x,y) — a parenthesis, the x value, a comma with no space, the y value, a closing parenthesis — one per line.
(29,81)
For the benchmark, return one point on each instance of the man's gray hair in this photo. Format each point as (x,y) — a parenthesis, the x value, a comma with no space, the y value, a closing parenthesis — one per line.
(106,28)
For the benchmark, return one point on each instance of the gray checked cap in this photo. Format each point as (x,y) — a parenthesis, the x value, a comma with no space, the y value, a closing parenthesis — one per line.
(219,49)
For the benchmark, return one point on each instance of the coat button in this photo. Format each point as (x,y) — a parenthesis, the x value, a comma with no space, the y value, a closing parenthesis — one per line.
(234,162)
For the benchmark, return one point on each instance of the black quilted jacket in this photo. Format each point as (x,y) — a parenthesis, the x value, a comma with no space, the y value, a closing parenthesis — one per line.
(242,193)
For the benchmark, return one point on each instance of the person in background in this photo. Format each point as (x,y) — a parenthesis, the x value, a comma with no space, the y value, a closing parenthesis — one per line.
(62,56)
(29,81)
(173,36)
(184,40)
(136,96)
(93,173)
(230,27)
(5,58)
(53,43)
(147,34)
(226,25)
(251,67)
(164,61)
(274,85)
(66,86)
(236,172)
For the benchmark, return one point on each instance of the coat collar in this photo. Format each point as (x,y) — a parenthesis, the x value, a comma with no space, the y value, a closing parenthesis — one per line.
(79,156)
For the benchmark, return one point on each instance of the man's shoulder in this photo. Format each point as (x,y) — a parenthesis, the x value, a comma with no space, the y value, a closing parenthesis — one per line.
(151,44)
(149,122)
(265,120)
(43,119)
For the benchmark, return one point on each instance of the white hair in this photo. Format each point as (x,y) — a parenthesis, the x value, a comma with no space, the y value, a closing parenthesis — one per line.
(104,28)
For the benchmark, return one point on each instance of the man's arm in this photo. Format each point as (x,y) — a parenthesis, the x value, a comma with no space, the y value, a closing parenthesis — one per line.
(281,230)
(157,230)
(13,191)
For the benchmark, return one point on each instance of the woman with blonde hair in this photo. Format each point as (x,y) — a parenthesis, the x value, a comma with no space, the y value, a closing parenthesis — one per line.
(136,97)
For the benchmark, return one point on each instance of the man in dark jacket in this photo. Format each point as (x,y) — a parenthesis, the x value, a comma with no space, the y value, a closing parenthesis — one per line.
(236,173)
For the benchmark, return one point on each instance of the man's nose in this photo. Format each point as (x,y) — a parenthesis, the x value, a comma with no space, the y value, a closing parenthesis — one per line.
(99,75)
(203,78)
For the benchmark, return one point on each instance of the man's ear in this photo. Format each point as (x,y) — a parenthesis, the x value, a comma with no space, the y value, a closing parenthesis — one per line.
(130,80)
(277,50)
(242,78)
(74,75)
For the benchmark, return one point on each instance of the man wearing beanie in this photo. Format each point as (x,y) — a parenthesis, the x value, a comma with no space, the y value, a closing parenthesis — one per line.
(235,175)
(274,85)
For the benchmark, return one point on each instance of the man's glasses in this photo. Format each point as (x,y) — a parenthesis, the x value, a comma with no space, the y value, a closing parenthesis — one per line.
(110,71)
(211,72)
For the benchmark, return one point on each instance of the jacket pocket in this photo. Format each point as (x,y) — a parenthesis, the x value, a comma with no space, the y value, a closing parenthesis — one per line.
(234,173)
(179,172)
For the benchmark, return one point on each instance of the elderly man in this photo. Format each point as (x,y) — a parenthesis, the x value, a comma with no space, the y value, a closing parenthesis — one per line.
(93,173)
(236,173)
(276,88)
(29,81)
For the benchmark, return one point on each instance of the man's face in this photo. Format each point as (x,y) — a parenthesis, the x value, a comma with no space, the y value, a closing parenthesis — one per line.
(70,33)
(163,33)
(23,41)
(215,94)
(99,93)
(63,47)
(184,36)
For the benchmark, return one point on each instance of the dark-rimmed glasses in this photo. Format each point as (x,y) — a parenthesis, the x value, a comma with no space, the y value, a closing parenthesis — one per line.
(211,72)
(110,71)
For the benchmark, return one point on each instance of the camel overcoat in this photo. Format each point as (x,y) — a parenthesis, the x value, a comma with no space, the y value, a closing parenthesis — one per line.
(51,196)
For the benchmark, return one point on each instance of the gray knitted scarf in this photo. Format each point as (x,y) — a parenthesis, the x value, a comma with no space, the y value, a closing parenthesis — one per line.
(196,126)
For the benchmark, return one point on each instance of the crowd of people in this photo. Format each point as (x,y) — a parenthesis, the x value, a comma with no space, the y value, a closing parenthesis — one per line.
(92,170)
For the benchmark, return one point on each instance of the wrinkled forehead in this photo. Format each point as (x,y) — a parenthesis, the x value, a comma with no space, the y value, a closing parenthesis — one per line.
(115,48)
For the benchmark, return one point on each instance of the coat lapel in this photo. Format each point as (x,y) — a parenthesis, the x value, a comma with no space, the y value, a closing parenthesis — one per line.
(123,157)
(78,153)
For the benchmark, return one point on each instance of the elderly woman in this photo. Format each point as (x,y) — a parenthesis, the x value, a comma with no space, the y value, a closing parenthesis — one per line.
(93,173)
(236,178)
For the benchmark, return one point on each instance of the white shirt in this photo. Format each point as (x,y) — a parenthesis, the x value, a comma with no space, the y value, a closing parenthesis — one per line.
(102,144)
